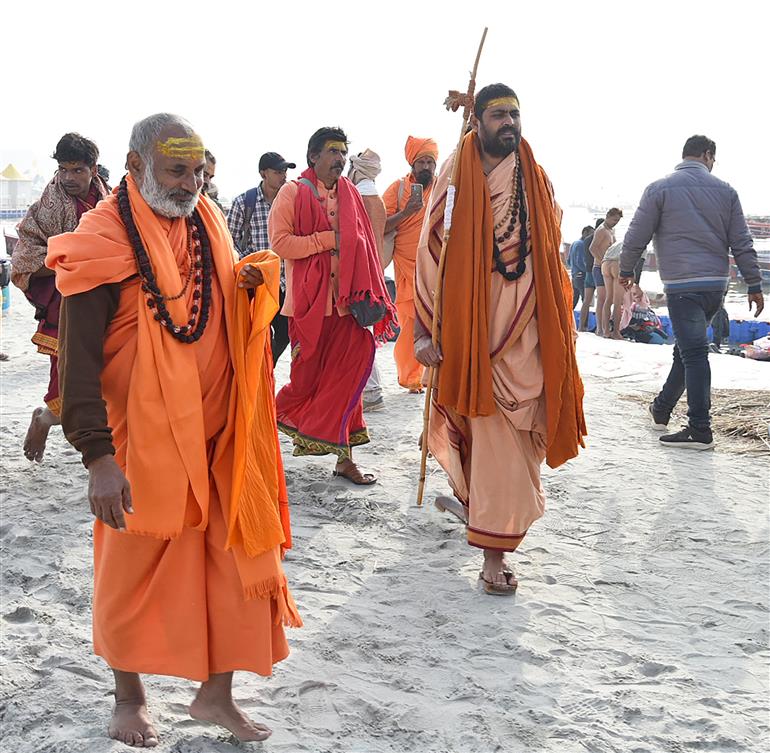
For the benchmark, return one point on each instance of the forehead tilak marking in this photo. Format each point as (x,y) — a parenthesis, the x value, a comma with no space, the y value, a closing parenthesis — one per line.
(182,148)
(339,145)
(511,103)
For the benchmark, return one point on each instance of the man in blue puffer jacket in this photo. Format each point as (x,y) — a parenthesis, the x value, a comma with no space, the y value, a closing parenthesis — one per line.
(696,220)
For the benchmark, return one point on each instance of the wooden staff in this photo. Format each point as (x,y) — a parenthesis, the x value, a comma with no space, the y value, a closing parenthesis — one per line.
(453,102)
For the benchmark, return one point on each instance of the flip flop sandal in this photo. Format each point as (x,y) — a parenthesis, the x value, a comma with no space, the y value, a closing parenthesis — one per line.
(358,478)
(497,589)
(452,506)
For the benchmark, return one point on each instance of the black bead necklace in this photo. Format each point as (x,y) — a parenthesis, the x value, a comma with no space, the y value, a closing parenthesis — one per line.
(519,204)
(201,266)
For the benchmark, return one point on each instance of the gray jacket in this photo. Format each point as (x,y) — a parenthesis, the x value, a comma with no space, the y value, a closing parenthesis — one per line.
(696,220)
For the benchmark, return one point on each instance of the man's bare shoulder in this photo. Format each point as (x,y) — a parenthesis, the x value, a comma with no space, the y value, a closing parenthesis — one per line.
(601,240)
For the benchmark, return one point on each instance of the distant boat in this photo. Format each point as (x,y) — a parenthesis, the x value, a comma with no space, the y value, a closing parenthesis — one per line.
(759,227)
(764,269)
(10,241)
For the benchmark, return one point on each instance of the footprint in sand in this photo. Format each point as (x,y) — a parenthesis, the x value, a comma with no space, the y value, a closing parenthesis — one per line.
(19,616)
(82,672)
(586,709)
(653,669)
(316,706)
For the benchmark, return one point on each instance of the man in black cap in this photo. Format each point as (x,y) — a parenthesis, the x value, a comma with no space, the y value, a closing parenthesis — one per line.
(247,220)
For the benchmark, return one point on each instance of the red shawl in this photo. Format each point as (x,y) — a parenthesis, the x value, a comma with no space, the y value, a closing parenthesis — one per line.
(360,273)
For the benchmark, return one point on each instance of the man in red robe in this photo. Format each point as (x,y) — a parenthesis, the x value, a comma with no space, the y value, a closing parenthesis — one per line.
(335,289)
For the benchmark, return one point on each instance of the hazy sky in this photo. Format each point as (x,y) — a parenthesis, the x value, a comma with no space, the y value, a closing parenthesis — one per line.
(609,91)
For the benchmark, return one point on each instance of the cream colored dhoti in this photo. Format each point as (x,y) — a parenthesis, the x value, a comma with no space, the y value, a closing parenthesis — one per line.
(493,462)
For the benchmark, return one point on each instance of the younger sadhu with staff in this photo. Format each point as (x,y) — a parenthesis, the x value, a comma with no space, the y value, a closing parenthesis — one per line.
(509,394)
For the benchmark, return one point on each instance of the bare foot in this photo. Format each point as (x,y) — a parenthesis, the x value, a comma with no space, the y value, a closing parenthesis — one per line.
(37,434)
(225,713)
(131,725)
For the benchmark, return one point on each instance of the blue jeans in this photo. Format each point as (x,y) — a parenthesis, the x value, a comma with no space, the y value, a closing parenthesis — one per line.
(578,288)
(690,315)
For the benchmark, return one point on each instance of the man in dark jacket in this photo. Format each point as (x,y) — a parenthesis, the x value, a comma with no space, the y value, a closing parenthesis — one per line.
(696,221)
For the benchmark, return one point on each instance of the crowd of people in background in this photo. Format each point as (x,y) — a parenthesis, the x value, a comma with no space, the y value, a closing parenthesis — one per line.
(696,222)
(179,432)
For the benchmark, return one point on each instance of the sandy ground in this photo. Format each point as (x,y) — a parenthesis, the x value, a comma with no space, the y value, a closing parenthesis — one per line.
(640,625)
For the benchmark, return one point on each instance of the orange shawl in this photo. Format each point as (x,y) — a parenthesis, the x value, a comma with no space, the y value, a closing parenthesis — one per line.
(164,443)
(465,382)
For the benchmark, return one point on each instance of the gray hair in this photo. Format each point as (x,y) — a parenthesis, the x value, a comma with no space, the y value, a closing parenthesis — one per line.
(145,133)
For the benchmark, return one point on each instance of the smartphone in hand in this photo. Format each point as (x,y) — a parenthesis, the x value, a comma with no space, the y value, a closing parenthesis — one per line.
(417,191)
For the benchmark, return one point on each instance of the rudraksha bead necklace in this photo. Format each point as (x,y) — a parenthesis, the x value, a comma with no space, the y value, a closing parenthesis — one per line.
(201,267)
(517,204)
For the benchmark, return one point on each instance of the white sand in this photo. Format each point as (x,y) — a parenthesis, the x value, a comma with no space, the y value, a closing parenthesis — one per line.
(640,625)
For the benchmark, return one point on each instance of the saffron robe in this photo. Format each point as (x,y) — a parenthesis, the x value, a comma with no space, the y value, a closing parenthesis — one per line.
(493,457)
(194,586)
(405,244)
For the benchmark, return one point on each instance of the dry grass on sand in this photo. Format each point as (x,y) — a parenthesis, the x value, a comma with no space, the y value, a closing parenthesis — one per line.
(740,419)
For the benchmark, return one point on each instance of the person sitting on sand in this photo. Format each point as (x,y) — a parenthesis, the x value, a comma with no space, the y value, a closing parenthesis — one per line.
(639,322)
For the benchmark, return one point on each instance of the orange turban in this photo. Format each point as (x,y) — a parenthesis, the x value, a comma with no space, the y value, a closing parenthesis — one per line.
(416,148)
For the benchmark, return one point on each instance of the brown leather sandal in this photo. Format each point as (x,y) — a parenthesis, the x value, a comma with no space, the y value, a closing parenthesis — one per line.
(498,589)
(354,475)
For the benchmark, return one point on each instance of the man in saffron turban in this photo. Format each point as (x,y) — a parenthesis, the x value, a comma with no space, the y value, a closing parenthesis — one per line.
(405,202)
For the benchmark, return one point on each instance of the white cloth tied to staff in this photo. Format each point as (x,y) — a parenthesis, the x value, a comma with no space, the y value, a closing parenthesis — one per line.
(450,205)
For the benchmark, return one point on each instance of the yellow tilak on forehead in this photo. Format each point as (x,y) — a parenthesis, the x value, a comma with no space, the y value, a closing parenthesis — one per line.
(509,103)
(340,146)
(182,148)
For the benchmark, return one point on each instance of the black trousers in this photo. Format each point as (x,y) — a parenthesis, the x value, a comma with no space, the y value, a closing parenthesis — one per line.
(280,331)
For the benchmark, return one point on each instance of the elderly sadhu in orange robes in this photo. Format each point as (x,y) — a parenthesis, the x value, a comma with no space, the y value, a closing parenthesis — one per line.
(405,244)
(509,394)
(194,586)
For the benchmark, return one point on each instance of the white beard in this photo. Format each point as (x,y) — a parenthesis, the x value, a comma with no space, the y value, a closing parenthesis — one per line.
(161,200)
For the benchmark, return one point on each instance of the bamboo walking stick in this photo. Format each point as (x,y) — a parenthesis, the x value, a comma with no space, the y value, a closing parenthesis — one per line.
(453,101)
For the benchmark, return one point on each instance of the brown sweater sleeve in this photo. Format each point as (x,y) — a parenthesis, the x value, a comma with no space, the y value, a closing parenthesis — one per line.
(83,321)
